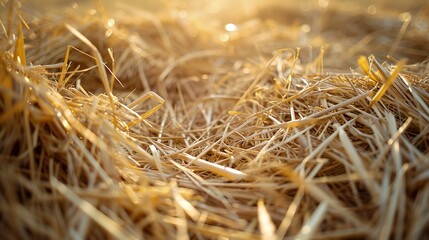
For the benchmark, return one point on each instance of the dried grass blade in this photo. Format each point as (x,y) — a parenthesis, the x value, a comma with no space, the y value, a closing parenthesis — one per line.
(311,225)
(4,29)
(226,172)
(364,65)
(185,204)
(64,69)
(416,95)
(387,84)
(389,217)
(358,163)
(151,111)
(266,225)
(340,105)
(101,68)
(112,78)
(19,54)
(290,213)
(321,195)
(297,123)
(100,218)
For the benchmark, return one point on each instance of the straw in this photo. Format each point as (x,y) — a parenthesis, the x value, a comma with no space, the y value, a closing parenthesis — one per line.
(231,120)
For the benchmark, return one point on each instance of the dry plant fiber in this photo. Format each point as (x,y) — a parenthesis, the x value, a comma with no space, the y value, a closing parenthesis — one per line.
(214,120)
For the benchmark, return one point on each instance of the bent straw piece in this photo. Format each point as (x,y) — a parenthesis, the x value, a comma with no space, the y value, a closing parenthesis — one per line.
(387,84)
(103,221)
(101,68)
(226,172)
(71,75)
(97,57)
(143,98)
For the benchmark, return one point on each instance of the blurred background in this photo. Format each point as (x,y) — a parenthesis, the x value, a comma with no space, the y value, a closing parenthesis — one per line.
(230,9)
(345,29)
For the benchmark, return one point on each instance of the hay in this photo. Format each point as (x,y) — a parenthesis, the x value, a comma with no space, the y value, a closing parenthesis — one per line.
(124,123)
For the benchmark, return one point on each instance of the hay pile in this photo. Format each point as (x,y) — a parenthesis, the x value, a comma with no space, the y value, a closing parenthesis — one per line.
(124,123)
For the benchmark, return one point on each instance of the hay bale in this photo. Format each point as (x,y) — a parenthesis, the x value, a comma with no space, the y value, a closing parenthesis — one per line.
(193,121)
